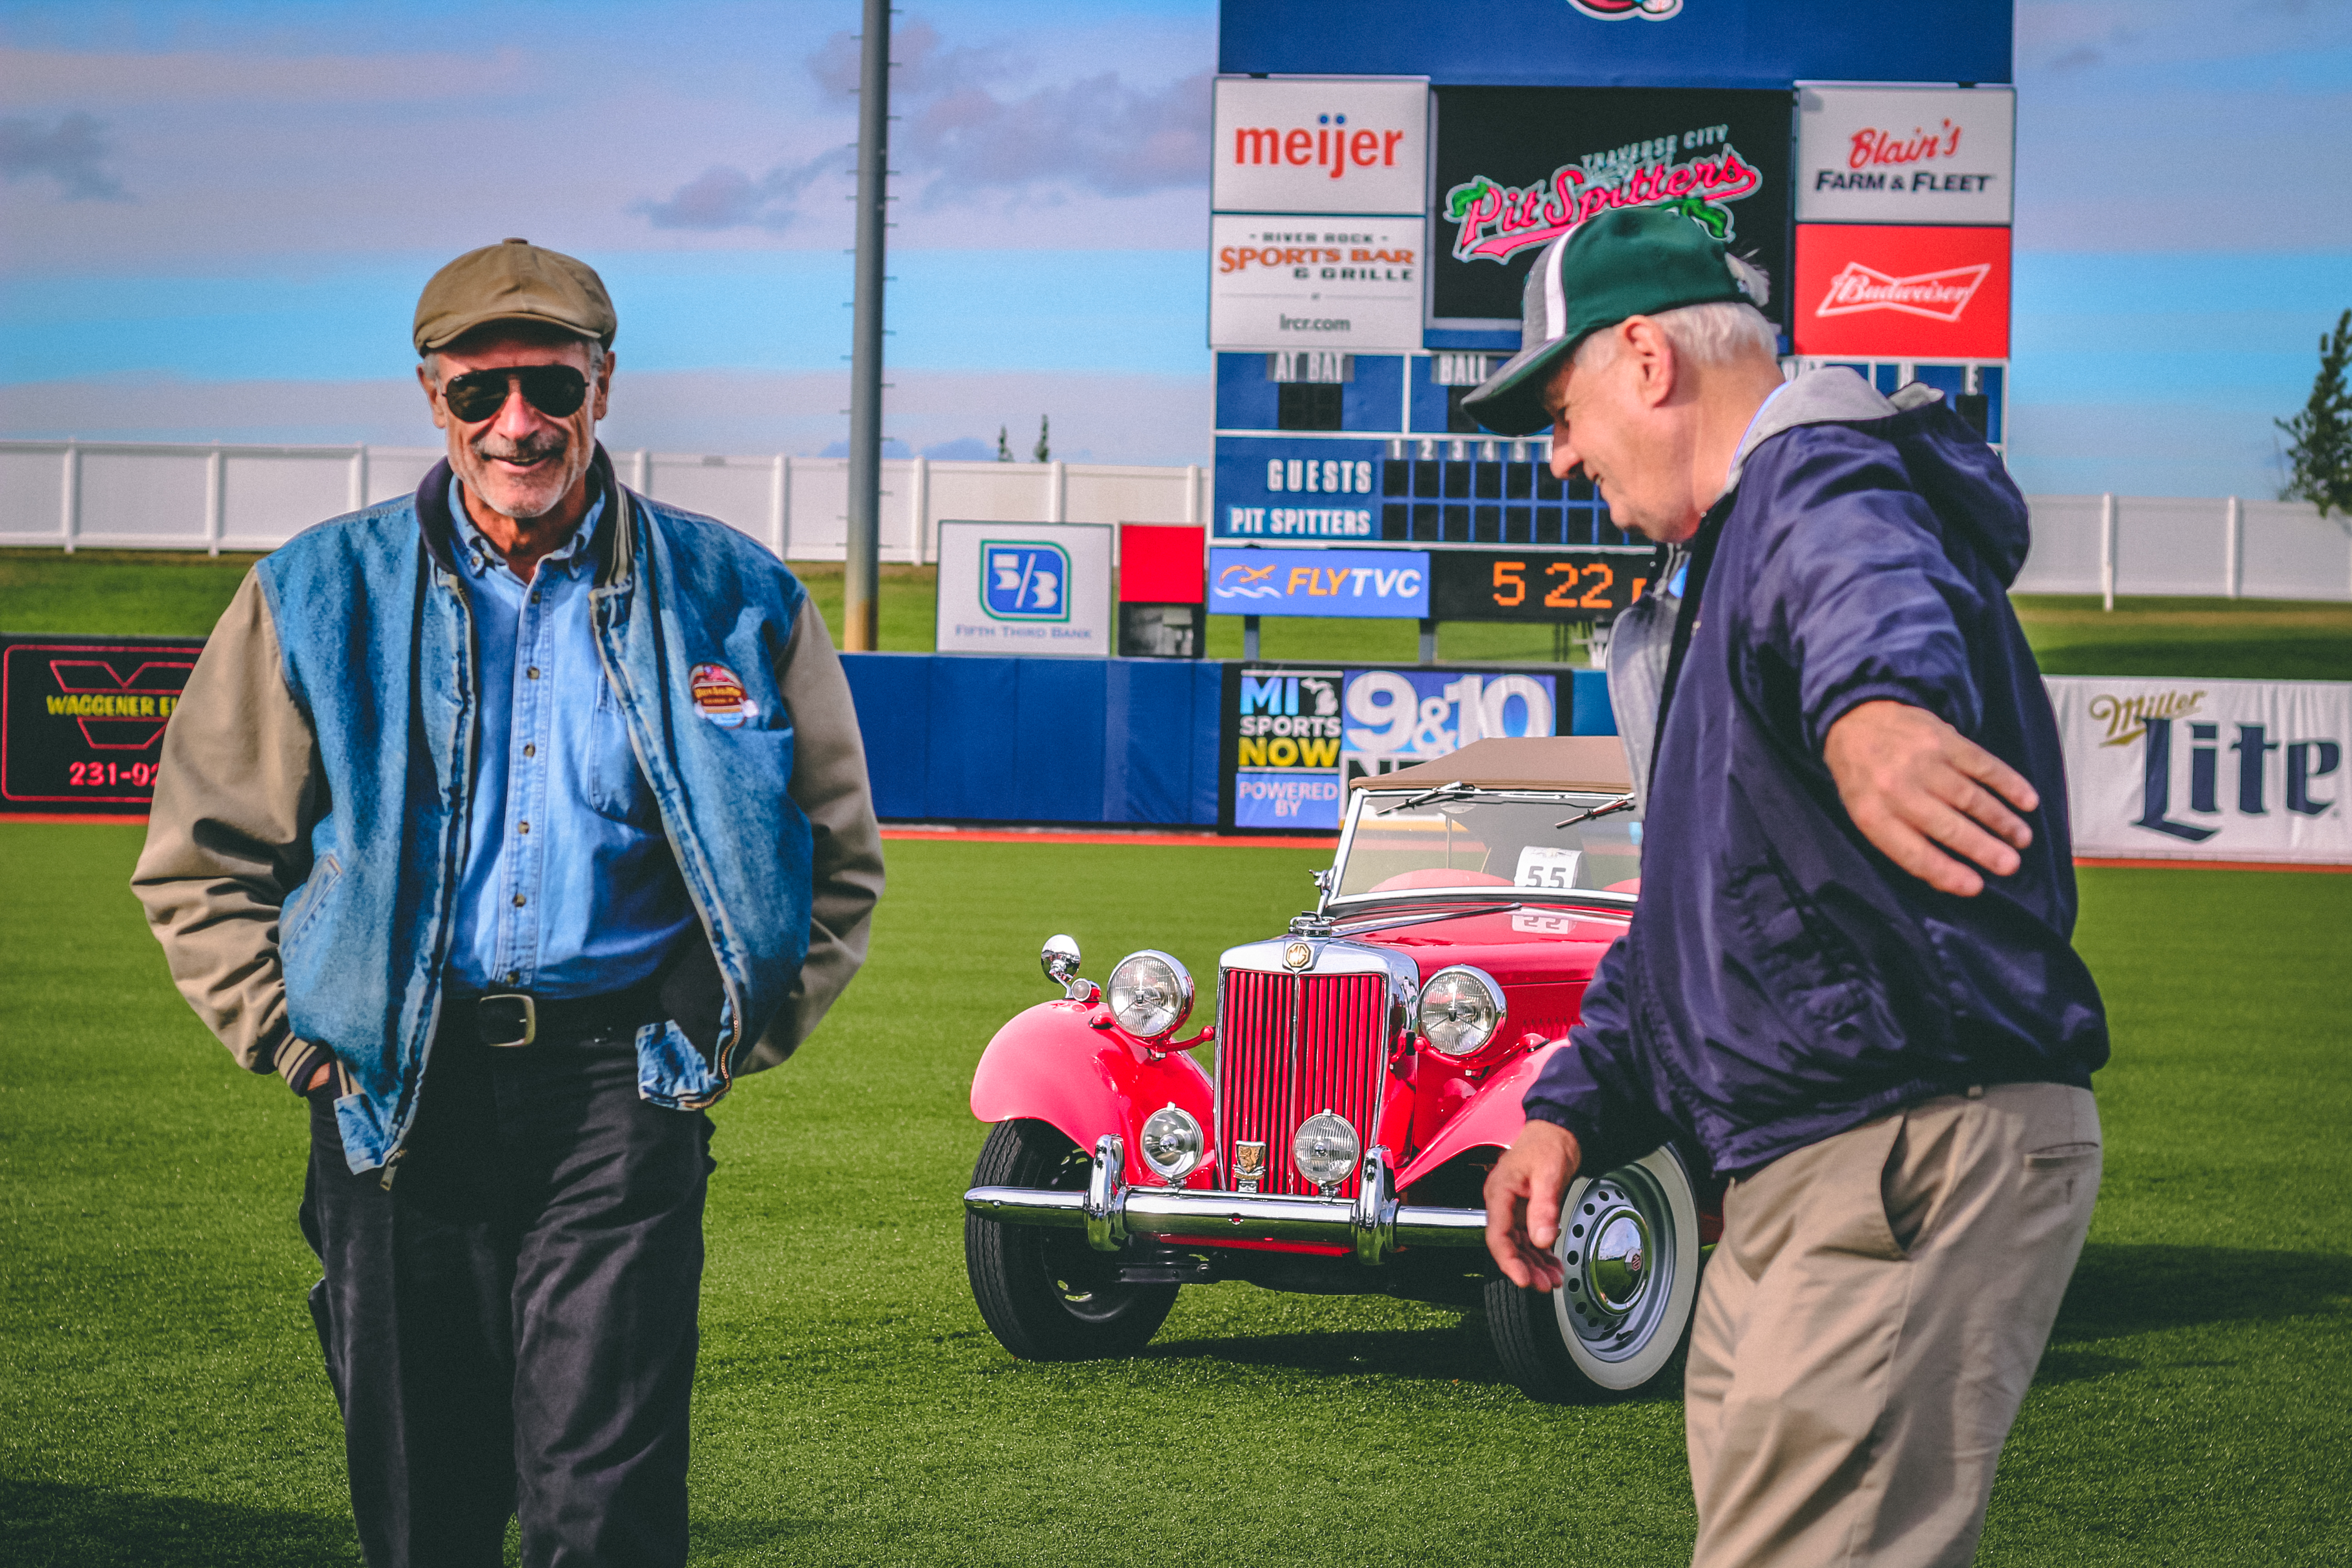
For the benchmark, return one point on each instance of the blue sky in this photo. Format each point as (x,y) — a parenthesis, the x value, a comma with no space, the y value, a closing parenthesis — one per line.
(215,217)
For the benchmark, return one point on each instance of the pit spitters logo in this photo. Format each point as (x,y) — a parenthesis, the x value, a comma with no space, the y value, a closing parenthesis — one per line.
(1623,10)
(1499,221)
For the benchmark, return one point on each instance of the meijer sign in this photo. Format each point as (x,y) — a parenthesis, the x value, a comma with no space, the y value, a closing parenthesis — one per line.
(2206,769)
(1308,144)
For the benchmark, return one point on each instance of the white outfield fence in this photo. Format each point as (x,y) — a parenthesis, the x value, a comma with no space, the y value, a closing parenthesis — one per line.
(118,495)
(2230,547)
(145,495)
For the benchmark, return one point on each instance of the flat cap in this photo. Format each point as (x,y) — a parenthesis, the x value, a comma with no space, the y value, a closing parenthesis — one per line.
(513,280)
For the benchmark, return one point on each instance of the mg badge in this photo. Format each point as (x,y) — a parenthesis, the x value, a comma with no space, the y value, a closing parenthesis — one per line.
(1297,956)
(1249,1165)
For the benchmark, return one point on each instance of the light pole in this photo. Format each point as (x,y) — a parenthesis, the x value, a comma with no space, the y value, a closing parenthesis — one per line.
(862,571)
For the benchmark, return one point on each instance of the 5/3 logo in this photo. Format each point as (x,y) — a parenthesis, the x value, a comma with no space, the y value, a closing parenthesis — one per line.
(1024,579)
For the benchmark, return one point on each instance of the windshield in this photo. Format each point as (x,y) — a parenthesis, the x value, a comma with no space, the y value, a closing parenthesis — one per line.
(1487,842)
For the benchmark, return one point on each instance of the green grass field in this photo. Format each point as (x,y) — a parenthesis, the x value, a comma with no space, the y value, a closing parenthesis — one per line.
(176,594)
(161,1401)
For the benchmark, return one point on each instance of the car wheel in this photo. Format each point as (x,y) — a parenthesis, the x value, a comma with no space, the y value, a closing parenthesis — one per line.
(1044,1293)
(1629,1243)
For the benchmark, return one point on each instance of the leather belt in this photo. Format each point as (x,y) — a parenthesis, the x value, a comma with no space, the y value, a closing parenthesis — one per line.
(508,1019)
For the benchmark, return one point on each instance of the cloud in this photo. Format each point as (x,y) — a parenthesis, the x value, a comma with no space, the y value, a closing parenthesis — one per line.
(1098,133)
(966,127)
(57,78)
(723,196)
(73,153)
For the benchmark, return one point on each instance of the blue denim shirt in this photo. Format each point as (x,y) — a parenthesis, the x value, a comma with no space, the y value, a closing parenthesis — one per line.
(568,887)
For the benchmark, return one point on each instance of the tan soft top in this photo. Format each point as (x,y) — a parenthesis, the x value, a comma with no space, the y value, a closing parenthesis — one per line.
(1591,763)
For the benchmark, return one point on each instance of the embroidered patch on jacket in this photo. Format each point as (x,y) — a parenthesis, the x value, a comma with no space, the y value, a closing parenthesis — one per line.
(719,694)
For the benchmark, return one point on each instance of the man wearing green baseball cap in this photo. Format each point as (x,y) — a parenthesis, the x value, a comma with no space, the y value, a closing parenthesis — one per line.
(509,823)
(1849,988)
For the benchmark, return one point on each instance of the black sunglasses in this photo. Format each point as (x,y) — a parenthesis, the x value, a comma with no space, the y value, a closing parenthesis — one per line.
(555,390)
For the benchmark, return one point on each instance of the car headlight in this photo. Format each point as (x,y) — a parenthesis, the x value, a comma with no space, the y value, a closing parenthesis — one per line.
(1461,1008)
(1172,1144)
(1150,993)
(1324,1149)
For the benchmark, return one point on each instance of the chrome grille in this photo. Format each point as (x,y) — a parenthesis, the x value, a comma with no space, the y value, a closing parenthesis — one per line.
(1289,1045)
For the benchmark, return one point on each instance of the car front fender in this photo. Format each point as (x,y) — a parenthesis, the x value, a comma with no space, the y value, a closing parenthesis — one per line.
(1053,1064)
(1489,1119)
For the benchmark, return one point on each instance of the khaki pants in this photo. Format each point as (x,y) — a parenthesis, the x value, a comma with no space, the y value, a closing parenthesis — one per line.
(1869,1322)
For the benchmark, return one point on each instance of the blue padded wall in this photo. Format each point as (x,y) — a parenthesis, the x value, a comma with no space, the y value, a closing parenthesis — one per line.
(968,738)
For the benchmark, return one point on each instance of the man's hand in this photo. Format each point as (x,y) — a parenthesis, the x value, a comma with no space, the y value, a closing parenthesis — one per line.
(319,1079)
(1524,1191)
(1916,787)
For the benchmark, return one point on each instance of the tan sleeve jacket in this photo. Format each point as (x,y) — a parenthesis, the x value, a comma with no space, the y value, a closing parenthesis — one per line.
(240,789)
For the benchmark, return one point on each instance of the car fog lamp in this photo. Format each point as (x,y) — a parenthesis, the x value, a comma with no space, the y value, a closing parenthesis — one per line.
(1171,1142)
(1326,1149)
(1150,993)
(1461,1008)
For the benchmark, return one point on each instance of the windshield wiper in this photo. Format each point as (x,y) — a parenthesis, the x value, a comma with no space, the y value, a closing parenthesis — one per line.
(1425,796)
(1609,808)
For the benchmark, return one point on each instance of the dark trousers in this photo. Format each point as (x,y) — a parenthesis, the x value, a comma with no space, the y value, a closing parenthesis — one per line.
(511,1328)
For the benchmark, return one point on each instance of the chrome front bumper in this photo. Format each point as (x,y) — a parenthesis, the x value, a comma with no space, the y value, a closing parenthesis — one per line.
(1373,1224)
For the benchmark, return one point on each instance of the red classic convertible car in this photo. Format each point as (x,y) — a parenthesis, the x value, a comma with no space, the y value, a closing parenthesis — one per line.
(1370,1064)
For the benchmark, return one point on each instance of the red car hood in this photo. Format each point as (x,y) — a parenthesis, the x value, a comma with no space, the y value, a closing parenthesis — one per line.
(1518,947)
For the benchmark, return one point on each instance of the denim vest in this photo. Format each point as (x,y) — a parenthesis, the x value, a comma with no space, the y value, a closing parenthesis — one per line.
(691,620)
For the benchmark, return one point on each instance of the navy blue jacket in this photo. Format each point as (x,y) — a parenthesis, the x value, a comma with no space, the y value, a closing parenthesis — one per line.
(1783,981)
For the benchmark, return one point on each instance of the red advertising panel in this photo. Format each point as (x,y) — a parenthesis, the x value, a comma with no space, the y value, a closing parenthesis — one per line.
(1902,292)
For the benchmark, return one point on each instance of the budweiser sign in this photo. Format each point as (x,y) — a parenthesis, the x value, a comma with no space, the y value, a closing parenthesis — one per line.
(1497,221)
(1938,296)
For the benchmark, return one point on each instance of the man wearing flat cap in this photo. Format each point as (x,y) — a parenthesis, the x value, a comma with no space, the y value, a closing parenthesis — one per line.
(510,823)
(1850,984)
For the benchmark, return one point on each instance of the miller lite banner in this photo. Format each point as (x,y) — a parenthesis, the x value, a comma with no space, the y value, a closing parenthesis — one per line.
(1938,155)
(2206,769)
(1901,292)
(1519,167)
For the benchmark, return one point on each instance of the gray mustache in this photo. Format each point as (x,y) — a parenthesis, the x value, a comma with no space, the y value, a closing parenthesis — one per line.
(551,445)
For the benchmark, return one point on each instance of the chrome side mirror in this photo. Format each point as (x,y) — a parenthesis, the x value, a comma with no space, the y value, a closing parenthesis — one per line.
(1059,959)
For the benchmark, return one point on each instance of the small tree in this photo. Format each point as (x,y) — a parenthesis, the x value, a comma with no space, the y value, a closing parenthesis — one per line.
(1003,446)
(1045,448)
(2319,450)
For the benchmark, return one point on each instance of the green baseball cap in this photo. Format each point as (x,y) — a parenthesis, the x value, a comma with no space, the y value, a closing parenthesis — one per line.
(513,280)
(1631,261)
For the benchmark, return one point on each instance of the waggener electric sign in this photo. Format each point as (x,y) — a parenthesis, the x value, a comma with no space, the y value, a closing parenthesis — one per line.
(1317,230)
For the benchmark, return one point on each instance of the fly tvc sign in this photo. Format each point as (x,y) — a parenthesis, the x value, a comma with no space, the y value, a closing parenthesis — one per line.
(1316,229)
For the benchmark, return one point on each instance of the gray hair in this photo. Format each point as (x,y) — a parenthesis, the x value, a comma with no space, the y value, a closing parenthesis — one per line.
(1718,333)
